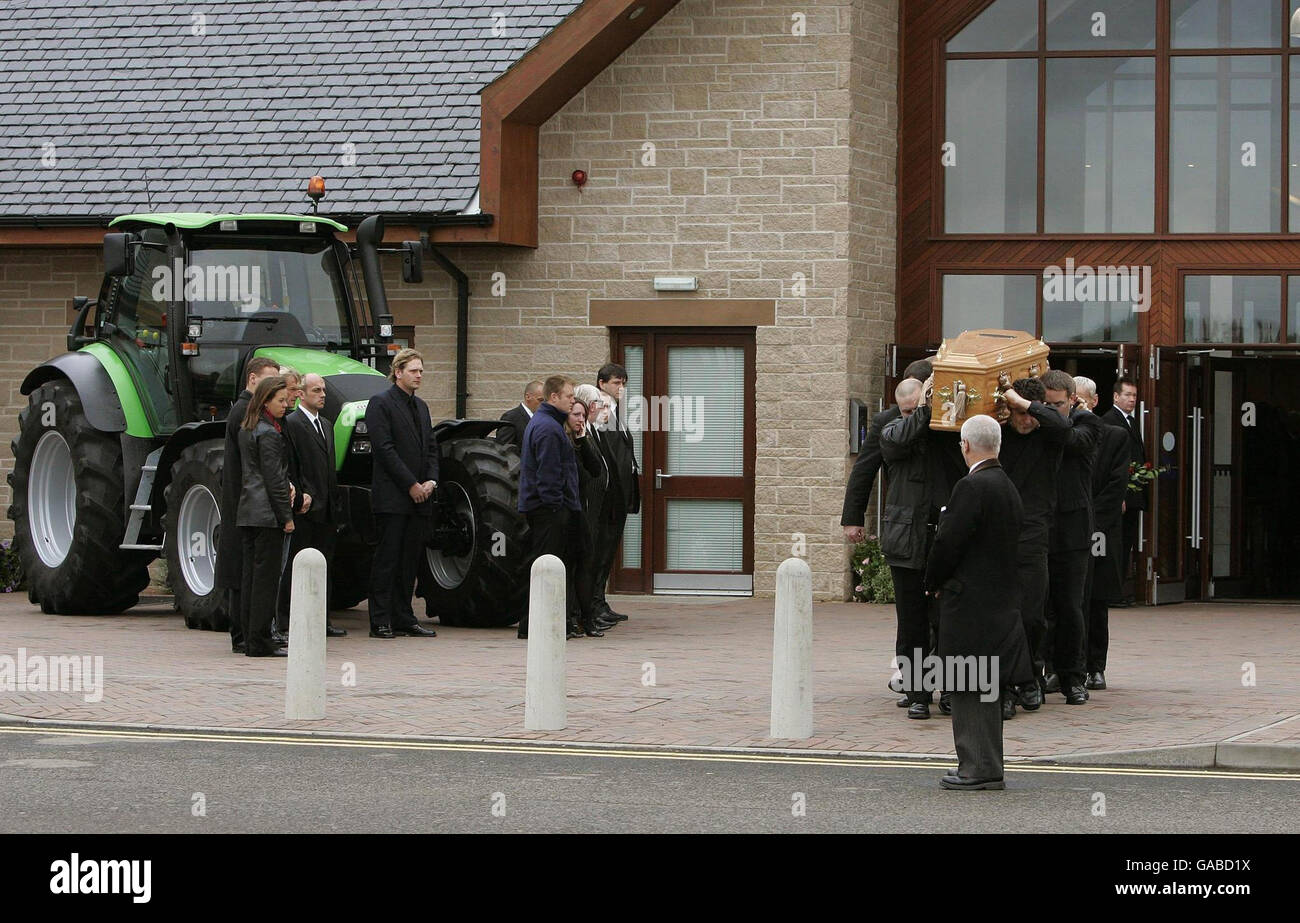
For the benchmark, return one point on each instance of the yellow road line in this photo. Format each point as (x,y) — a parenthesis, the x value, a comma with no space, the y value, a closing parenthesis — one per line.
(811,759)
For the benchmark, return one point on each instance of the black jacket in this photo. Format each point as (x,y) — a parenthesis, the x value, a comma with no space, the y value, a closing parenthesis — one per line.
(1136,499)
(229,551)
(973,565)
(921,473)
(512,431)
(857,496)
(620,455)
(311,467)
(1109,491)
(1073,525)
(404,452)
(264,499)
(1033,463)
(593,483)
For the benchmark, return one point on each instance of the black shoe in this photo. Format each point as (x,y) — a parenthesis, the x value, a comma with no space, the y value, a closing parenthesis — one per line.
(1096,680)
(956,783)
(613,616)
(572,631)
(522,634)
(332,632)
(903,701)
(945,702)
(919,710)
(279,637)
(593,630)
(383,631)
(1008,706)
(1076,695)
(273,652)
(239,648)
(416,631)
(1052,683)
(1031,697)
(603,625)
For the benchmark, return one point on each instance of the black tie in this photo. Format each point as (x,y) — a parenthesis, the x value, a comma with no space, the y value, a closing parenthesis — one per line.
(320,432)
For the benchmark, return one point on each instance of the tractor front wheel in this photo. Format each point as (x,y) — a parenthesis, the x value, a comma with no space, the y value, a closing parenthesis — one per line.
(68,510)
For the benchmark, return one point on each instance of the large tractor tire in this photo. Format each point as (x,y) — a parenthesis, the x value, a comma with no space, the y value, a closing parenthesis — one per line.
(193,535)
(480,477)
(349,574)
(68,510)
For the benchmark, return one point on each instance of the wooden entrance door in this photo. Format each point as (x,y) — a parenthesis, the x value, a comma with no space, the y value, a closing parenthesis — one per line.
(691,398)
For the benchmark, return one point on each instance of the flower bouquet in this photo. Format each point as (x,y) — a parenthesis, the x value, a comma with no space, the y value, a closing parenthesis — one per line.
(873,581)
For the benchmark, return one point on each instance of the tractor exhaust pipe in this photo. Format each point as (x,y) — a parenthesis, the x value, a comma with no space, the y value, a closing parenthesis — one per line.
(370,234)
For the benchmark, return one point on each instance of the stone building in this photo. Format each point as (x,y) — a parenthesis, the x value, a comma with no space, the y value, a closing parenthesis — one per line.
(749,145)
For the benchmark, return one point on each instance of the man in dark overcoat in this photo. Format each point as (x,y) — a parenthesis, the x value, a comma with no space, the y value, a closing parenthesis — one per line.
(972,569)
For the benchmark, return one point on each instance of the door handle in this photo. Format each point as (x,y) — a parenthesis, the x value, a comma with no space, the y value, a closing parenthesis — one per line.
(659,478)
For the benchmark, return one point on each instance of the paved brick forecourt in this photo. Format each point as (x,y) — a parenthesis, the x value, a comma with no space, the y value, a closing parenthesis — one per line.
(1175,676)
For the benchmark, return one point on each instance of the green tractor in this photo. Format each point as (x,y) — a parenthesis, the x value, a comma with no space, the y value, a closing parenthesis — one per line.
(120,450)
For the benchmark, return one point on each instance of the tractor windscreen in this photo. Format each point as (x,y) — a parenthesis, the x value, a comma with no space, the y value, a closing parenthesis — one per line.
(243,286)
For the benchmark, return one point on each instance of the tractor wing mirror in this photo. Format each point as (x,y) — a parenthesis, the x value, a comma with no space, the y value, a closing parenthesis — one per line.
(117,254)
(411,268)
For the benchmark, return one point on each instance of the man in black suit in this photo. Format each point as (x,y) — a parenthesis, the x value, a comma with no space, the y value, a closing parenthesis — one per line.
(230,552)
(1124,415)
(1031,458)
(517,417)
(404,475)
(972,570)
(624,493)
(317,516)
(1070,545)
(1106,578)
(857,495)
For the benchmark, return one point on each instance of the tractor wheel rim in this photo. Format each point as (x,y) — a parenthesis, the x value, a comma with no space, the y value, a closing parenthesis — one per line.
(196,534)
(52,499)
(449,571)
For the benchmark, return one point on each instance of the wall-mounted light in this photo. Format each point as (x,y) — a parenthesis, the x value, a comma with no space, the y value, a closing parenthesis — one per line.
(677,283)
(579,178)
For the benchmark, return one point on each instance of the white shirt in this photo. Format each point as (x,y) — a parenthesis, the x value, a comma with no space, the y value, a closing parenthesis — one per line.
(526,410)
(984,461)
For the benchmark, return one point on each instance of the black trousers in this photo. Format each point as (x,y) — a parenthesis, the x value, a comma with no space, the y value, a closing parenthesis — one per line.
(402,539)
(1098,635)
(556,532)
(912,641)
(307,533)
(1130,526)
(235,609)
(1067,582)
(977,735)
(263,552)
(1032,567)
(609,539)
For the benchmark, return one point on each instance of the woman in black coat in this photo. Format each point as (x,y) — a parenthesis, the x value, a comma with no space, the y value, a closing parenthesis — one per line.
(265,512)
(591,469)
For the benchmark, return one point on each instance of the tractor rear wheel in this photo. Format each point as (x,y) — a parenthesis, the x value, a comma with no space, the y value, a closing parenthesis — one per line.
(193,535)
(67,506)
(486,584)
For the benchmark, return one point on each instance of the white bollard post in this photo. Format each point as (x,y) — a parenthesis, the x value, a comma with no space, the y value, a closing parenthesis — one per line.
(545,708)
(304,697)
(792,703)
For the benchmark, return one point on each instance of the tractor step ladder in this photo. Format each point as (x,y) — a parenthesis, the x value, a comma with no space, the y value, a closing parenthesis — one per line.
(149,470)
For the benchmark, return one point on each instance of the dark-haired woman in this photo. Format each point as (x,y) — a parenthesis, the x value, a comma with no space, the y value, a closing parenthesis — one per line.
(265,511)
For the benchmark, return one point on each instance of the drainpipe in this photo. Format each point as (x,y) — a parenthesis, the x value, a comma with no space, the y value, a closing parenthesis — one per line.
(462,322)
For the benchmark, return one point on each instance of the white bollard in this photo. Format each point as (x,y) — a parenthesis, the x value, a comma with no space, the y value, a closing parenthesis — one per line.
(544,706)
(304,697)
(792,702)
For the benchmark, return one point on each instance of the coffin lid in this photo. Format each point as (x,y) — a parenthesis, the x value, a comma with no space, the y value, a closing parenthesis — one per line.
(988,349)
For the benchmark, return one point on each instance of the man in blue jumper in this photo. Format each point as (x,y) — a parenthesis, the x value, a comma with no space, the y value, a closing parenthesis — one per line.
(548,483)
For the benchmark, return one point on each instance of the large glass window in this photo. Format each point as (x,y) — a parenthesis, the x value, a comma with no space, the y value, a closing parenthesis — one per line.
(991,151)
(975,302)
(1006,25)
(1101,130)
(1226,23)
(1089,322)
(1225,144)
(1293,309)
(1232,309)
(1097,25)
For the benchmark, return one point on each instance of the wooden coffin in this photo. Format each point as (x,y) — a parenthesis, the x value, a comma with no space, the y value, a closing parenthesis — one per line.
(971,371)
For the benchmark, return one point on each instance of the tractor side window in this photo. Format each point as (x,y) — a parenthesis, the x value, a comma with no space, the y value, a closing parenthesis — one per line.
(140,319)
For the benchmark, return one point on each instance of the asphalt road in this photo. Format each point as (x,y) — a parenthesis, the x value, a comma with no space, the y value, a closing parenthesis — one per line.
(96,782)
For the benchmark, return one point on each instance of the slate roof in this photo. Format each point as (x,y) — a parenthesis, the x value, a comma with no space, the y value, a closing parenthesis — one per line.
(237,118)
